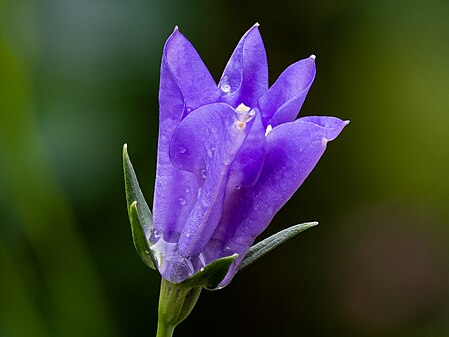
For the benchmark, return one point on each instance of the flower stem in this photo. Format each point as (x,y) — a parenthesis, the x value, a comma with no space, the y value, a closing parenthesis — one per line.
(176,301)
(164,330)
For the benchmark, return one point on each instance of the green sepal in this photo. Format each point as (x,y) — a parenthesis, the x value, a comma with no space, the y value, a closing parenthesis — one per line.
(139,238)
(139,213)
(265,246)
(210,276)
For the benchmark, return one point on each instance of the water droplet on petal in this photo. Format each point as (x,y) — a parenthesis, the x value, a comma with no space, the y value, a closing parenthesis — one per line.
(182,149)
(210,152)
(225,84)
(182,201)
(238,187)
(187,190)
(189,110)
(157,234)
(203,173)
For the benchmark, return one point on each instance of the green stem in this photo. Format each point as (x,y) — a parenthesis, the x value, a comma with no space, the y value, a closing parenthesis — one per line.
(164,330)
(176,301)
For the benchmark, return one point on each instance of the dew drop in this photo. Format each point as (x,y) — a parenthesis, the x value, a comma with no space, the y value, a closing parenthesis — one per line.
(182,149)
(182,201)
(225,84)
(210,152)
(238,187)
(189,110)
(203,173)
(187,190)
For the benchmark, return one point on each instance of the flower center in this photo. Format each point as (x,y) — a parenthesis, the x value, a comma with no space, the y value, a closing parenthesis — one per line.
(244,114)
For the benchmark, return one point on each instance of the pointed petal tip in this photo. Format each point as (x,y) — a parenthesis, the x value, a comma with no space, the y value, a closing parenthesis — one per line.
(125,148)
(312,56)
(254,27)
(173,35)
(346,122)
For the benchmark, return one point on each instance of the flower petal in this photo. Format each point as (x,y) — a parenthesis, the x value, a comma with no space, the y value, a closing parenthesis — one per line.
(206,143)
(170,181)
(293,150)
(189,72)
(245,77)
(284,99)
(244,173)
(185,84)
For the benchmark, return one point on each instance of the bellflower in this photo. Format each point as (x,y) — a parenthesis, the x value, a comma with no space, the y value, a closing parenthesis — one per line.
(229,155)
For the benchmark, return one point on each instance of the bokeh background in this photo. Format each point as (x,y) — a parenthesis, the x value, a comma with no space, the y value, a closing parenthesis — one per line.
(78,78)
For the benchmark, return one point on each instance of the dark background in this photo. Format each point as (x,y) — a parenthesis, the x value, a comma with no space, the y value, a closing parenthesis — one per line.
(78,78)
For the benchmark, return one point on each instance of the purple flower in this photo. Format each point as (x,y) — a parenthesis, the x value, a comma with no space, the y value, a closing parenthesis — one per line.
(230,155)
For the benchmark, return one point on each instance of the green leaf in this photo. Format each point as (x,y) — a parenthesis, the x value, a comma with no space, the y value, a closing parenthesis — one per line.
(139,213)
(265,246)
(211,275)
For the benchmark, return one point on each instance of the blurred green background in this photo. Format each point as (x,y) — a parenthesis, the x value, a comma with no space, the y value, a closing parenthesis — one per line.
(78,78)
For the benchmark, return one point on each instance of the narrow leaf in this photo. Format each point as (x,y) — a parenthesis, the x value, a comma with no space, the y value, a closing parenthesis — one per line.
(265,246)
(139,213)
(211,275)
